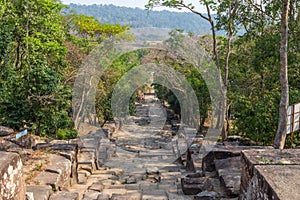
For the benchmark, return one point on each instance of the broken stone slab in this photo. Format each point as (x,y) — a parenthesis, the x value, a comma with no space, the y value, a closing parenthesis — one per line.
(193,186)
(61,166)
(151,194)
(69,151)
(4,131)
(98,187)
(234,163)
(223,152)
(65,195)
(12,185)
(206,195)
(229,172)
(129,196)
(40,192)
(232,183)
(103,197)
(110,192)
(91,195)
(49,178)
(56,174)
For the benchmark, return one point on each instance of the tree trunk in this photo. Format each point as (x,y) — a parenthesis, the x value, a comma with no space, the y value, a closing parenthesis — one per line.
(284,101)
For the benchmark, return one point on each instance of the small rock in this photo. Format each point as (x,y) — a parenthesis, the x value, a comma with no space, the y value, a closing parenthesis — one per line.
(96,187)
(4,131)
(152,170)
(131,180)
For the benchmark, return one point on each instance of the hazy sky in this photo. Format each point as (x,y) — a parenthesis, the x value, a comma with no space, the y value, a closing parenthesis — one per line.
(127,3)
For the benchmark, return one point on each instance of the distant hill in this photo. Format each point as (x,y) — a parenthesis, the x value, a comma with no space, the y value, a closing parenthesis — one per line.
(139,18)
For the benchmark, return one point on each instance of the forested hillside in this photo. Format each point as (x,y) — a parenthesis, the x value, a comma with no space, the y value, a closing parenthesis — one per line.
(42,48)
(139,18)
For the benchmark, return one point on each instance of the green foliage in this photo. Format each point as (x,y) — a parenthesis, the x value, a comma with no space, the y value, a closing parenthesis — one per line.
(32,66)
(66,134)
(108,81)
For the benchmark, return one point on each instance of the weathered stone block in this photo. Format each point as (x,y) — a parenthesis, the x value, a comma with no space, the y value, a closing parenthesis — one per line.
(65,196)
(12,185)
(103,197)
(40,192)
(93,195)
(98,187)
(61,166)
(270,174)
(4,131)
(129,196)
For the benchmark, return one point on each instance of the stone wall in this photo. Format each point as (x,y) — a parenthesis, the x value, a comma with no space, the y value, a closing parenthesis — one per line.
(12,185)
(270,174)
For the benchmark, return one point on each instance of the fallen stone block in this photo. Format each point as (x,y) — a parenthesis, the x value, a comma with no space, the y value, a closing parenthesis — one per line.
(40,192)
(98,187)
(193,186)
(91,195)
(62,166)
(232,183)
(224,152)
(110,192)
(103,197)
(69,151)
(229,171)
(49,178)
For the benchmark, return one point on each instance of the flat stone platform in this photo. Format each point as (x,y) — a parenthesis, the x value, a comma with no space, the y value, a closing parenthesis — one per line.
(270,174)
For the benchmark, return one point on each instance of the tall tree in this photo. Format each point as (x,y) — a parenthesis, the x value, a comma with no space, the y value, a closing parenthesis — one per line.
(284,102)
(32,66)
(226,19)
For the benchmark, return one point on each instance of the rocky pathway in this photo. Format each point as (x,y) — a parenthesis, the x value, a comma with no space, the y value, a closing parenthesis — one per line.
(144,165)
